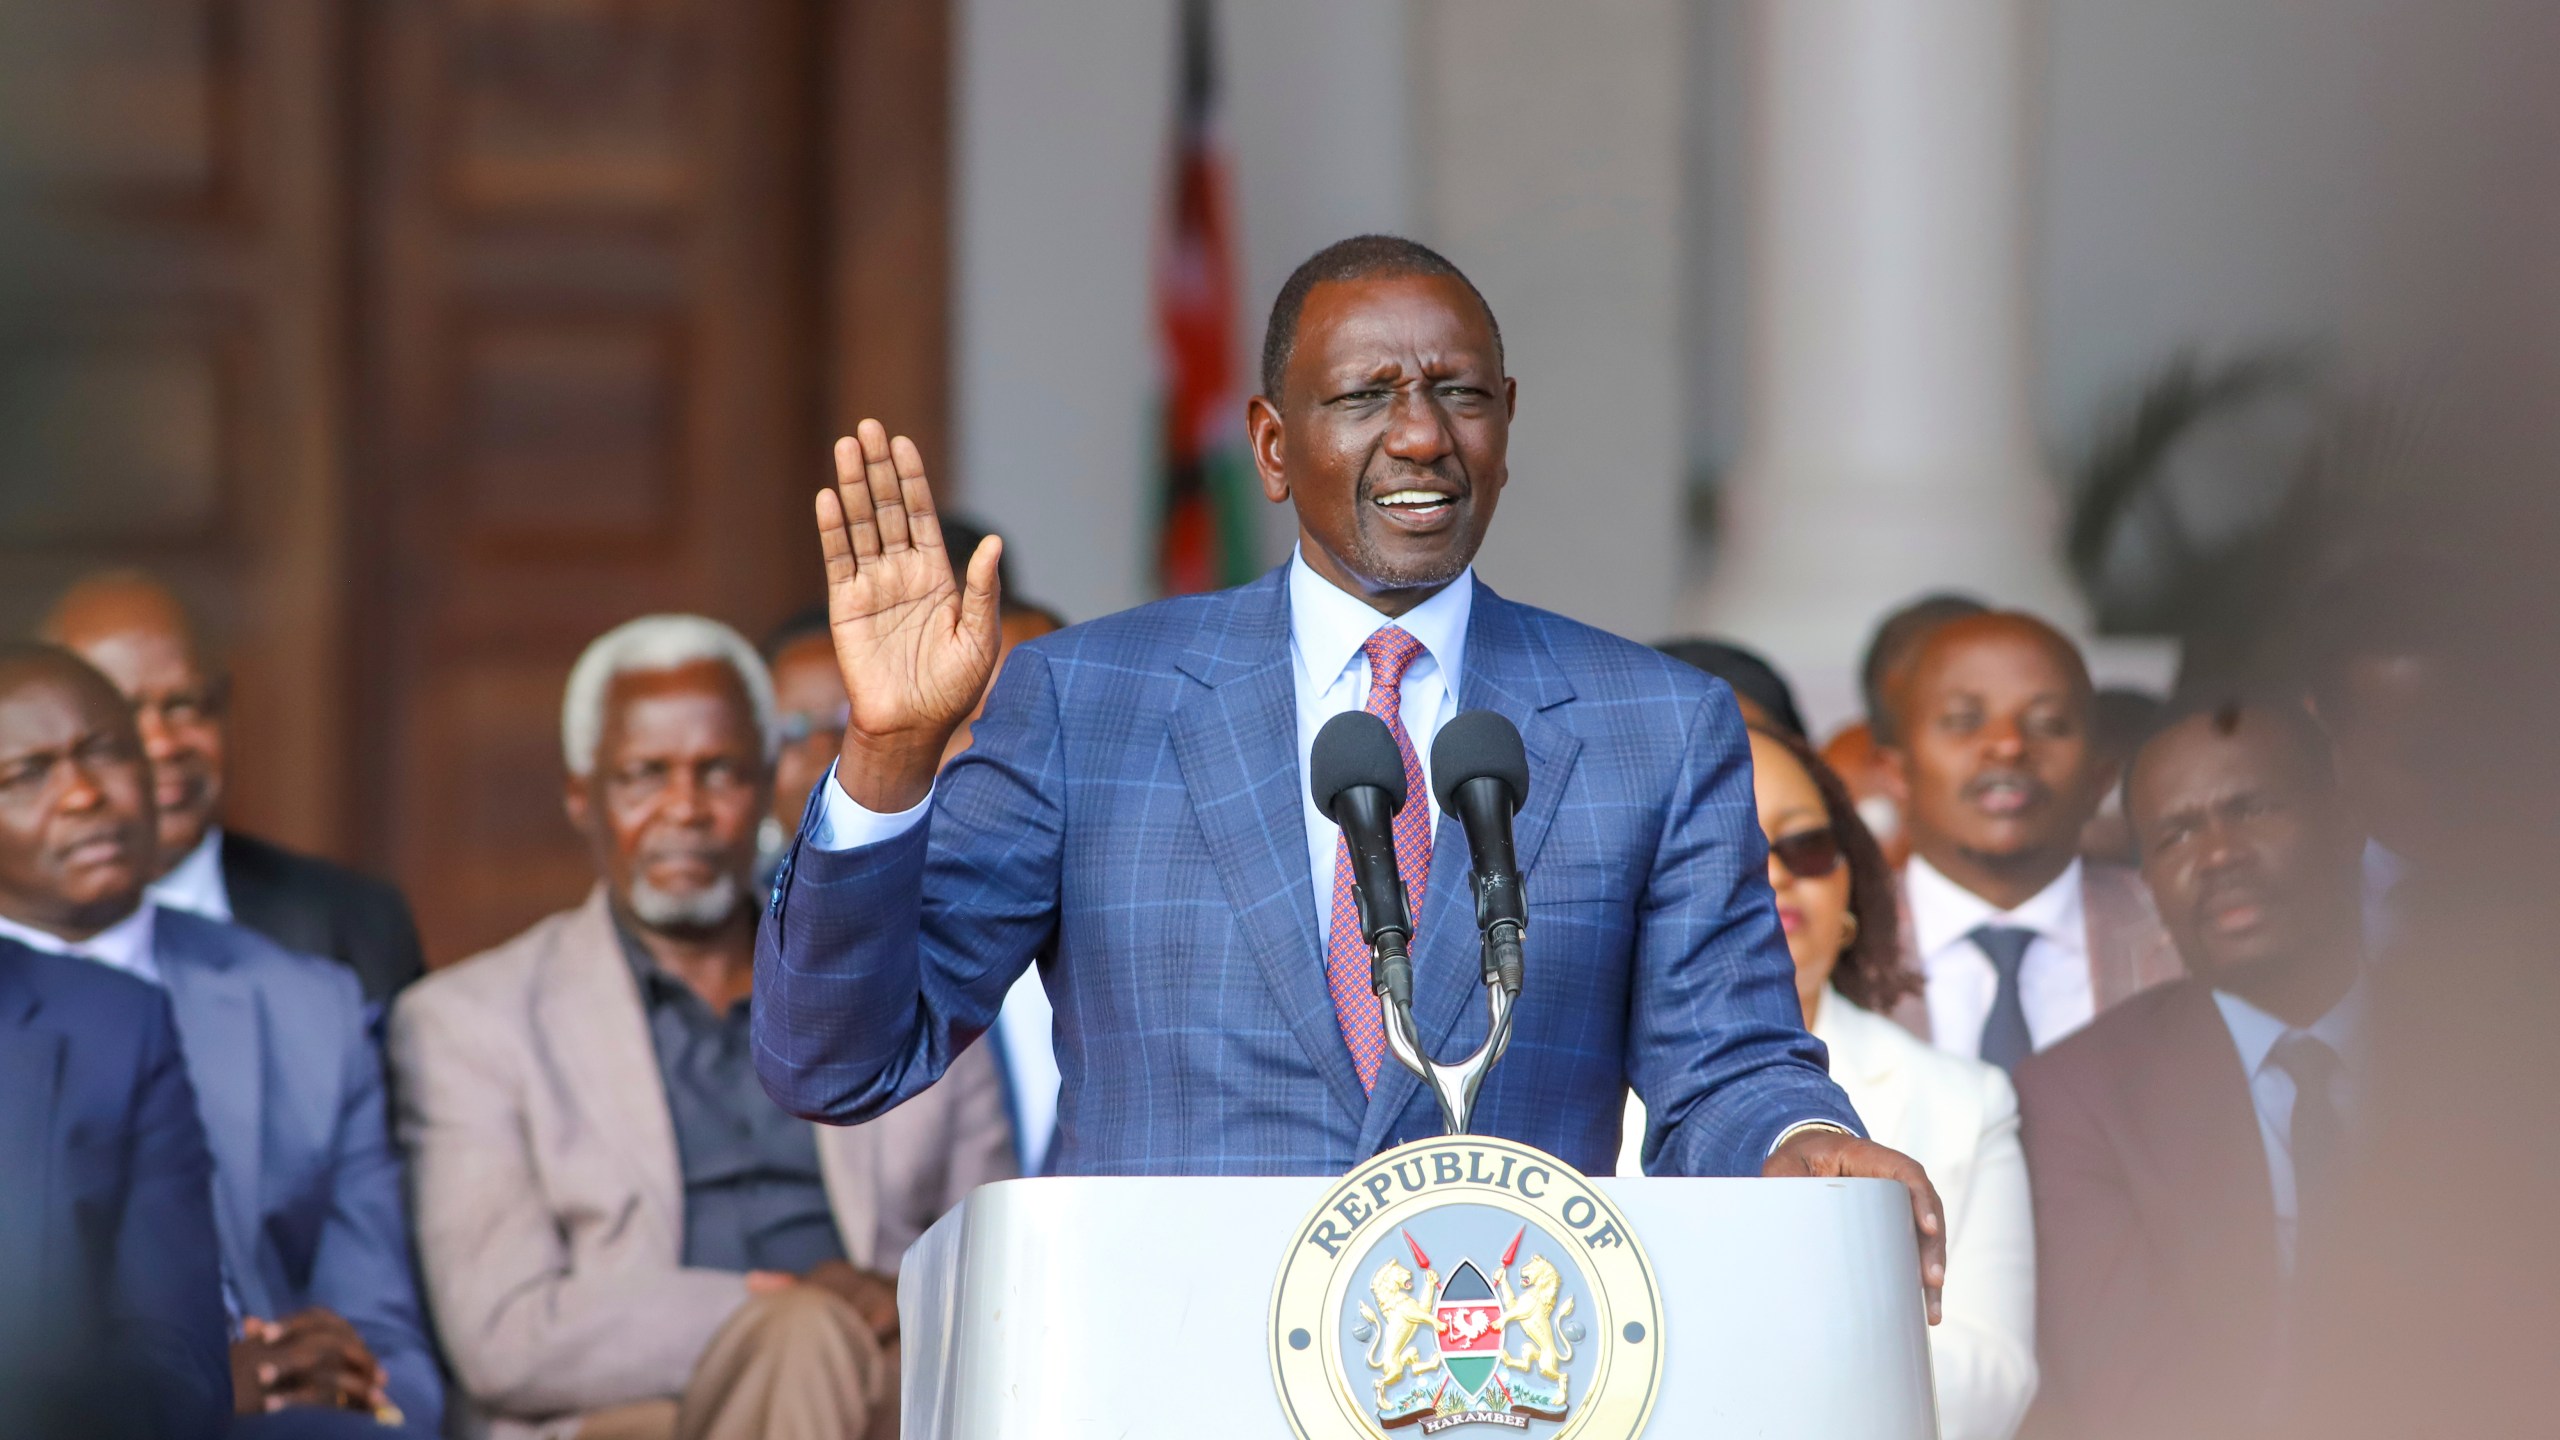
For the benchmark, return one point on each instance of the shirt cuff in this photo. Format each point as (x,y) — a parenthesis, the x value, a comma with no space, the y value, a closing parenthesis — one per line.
(1801,1126)
(844,823)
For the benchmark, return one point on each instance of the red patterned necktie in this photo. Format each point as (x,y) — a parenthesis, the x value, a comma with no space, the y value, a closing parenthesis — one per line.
(1346,967)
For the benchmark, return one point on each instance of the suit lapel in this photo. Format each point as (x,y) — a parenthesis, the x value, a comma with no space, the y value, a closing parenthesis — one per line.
(1236,740)
(30,1076)
(590,1007)
(1509,672)
(2193,1127)
(224,1031)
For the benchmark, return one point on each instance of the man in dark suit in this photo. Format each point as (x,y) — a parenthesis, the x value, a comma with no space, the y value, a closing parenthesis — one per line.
(111,1318)
(139,635)
(2186,1148)
(309,1227)
(1133,810)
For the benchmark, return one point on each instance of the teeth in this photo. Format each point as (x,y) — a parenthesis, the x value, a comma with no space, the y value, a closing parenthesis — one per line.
(1412,497)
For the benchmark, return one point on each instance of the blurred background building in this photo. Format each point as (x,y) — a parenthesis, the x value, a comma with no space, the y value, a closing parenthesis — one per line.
(420,342)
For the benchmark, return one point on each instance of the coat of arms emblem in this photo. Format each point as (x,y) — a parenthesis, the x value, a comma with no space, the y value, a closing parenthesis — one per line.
(1462,1282)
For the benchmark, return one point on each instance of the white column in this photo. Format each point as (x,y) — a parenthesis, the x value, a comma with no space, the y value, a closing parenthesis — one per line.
(1888,443)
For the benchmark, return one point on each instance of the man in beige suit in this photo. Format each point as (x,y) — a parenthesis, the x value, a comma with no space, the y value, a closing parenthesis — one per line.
(622,1237)
(2017,940)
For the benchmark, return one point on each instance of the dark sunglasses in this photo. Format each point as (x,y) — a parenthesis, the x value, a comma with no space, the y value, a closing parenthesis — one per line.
(1808,854)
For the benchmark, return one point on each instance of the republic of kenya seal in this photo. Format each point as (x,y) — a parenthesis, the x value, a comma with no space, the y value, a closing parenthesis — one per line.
(1466,1281)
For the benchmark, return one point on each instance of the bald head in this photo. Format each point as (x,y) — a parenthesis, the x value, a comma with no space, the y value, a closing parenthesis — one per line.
(1994,754)
(140,636)
(75,796)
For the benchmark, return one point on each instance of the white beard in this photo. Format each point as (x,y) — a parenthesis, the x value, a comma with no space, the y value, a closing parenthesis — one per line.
(704,909)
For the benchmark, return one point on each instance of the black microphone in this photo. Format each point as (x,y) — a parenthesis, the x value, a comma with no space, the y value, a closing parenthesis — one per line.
(1357,778)
(1480,771)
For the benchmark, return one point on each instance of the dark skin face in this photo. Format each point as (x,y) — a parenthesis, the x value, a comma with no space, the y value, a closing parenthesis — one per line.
(679,785)
(2247,856)
(809,692)
(76,823)
(1391,434)
(1994,764)
(139,637)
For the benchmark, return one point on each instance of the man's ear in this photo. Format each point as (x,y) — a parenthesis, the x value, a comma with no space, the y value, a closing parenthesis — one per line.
(1893,772)
(576,802)
(1510,398)
(1263,435)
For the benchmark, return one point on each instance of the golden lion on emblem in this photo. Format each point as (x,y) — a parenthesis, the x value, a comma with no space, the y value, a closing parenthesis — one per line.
(1399,1317)
(1535,1311)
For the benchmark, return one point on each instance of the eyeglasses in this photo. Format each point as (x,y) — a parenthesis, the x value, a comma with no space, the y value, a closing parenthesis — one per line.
(1808,854)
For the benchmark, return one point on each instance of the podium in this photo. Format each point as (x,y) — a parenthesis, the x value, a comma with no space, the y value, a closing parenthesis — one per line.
(1142,1309)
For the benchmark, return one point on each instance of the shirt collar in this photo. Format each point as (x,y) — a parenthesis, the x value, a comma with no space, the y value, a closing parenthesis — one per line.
(2254,1032)
(1327,625)
(195,883)
(1944,913)
(126,945)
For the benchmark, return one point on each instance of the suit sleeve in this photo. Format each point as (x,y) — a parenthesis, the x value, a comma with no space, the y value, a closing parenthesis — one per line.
(1983,1351)
(362,1267)
(527,1335)
(2089,1259)
(1716,1044)
(165,1311)
(876,966)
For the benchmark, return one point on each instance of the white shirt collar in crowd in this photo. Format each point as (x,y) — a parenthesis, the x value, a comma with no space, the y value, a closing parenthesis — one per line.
(195,884)
(1327,628)
(126,945)
(2053,984)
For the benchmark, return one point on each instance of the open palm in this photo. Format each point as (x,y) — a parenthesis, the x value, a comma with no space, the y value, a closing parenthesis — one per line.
(915,648)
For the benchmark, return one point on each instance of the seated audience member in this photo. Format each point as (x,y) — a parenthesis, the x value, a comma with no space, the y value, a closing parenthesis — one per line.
(111,1321)
(1855,753)
(621,1235)
(2121,721)
(1766,700)
(809,721)
(2186,1148)
(136,633)
(2018,940)
(312,1241)
(1957,1117)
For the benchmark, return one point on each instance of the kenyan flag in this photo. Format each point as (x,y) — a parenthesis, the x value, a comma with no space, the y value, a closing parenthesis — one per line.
(1470,1317)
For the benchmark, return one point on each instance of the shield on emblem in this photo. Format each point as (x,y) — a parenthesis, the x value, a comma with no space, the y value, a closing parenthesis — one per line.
(1470,1327)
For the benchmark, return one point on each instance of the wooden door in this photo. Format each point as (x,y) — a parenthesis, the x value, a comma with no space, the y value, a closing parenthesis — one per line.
(616,267)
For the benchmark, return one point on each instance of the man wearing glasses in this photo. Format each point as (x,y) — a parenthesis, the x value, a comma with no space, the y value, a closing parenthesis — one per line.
(138,634)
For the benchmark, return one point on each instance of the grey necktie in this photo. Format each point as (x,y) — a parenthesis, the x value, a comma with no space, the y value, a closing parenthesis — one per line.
(2316,1132)
(2005,1040)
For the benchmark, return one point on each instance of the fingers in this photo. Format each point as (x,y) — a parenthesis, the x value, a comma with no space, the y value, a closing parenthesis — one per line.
(880,475)
(853,499)
(1929,1217)
(924,527)
(835,539)
(982,604)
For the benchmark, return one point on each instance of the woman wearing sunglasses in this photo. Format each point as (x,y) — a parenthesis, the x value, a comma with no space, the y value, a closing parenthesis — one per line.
(1957,1117)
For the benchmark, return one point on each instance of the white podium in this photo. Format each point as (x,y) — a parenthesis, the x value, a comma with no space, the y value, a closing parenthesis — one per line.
(1141,1309)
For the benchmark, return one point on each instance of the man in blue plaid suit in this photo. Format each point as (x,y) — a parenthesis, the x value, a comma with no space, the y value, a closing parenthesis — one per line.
(1132,813)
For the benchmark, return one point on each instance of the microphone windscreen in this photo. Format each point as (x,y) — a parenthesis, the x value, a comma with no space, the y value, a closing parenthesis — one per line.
(1477,744)
(1354,748)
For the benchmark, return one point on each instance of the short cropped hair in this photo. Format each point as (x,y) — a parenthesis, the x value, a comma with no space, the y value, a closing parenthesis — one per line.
(1897,637)
(1362,257)
(656,642)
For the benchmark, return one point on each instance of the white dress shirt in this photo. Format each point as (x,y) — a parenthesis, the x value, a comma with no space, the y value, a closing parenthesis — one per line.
(195,884)
(2053,981)
(1027,1041)
(2254,1034)
(125,945)
(1328,672)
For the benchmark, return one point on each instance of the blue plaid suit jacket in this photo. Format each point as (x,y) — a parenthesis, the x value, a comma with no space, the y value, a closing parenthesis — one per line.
(1128,814)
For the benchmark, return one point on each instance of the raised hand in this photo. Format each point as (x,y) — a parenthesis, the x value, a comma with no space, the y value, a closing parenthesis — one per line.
(915,649)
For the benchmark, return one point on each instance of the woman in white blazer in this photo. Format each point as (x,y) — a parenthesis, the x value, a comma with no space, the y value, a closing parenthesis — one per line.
(1957,1117)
